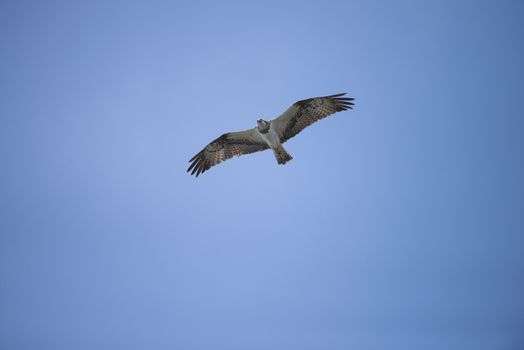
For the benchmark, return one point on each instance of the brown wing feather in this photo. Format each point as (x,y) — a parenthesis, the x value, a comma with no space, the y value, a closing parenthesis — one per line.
(225,147)
(306,112)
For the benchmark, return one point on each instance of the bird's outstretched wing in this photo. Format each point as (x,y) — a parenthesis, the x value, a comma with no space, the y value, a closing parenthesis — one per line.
(226,146)
(304,113)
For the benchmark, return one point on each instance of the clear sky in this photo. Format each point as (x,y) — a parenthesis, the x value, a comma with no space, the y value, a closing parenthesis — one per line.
(397,225)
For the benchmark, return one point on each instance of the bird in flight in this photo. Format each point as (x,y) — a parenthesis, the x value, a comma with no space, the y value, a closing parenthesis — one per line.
(269,133)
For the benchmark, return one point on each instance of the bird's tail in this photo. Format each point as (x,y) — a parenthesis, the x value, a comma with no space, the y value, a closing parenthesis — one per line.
(281,155)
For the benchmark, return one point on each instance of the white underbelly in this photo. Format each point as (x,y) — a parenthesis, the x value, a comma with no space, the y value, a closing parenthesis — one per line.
(272,139)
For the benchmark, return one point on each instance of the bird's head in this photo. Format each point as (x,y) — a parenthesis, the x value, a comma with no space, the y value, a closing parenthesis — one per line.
(263,125)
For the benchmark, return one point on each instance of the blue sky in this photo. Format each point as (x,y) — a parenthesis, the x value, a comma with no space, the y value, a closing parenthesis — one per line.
(398,225)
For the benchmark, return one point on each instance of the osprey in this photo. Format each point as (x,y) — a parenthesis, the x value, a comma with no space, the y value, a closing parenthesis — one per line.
(269,133)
